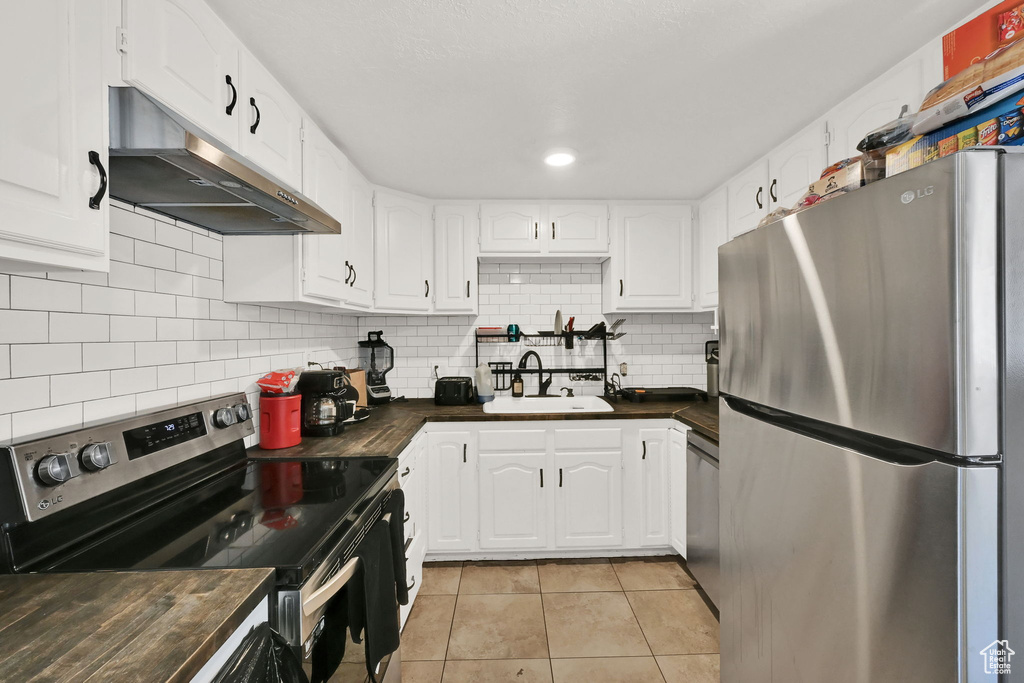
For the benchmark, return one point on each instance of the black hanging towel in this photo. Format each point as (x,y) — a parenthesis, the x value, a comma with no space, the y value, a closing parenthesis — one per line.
(374,587)
(396,506)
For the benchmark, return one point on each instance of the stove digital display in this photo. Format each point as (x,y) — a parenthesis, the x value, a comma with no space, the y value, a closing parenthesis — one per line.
(160,435)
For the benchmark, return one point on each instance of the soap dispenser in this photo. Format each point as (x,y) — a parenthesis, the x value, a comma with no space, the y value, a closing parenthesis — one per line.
(517,386)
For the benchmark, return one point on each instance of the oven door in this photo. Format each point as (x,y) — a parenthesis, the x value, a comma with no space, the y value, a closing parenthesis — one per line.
(297,614)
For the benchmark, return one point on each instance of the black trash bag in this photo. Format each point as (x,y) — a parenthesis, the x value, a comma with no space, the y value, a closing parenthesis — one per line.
(263,657)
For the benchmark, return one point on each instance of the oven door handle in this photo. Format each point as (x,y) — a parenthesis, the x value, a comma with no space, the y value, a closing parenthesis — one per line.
(324,593)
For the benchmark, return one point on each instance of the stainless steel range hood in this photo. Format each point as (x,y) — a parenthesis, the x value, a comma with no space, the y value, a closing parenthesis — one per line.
(157,163)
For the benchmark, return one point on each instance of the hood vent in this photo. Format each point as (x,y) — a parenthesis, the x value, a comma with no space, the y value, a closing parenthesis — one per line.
(157,163)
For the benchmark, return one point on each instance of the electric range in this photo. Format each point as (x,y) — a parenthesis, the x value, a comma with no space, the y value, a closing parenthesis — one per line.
(175,490)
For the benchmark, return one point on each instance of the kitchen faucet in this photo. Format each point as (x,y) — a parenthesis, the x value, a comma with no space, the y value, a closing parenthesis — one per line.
(543,384)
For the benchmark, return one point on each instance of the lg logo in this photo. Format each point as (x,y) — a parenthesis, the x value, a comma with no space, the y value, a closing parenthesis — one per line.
(911,195)
(45,503)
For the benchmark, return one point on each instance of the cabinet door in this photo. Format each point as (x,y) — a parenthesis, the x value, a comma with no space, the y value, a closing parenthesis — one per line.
(455,244)
(654,524)
(510,228)
(451,492)
(652,256)
(677,489)
(576,229)
(180,53)
(588,499)
(324,179)
(513,500)
(877,104)
(748,199)
(358,242)
(404,253)
(794,166)
(713,229)
(53,118)
(271,124)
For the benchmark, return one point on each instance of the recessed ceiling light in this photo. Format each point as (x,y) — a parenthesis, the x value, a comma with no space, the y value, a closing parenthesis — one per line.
(562,156)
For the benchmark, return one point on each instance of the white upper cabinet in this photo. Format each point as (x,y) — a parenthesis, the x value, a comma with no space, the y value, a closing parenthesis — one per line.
(53,152)
(456,229)
(271,123)
(358,240)
(576,229)
(180,53)
(325,173)
(880,102)
(713,234)
(651,264)
(794,165)
(748,198)
(540,228)
(510,229)
(404,247)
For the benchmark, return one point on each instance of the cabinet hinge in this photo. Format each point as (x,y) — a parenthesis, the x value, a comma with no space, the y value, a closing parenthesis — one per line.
(302,275)
(829,135)
(302,134)
(122,40)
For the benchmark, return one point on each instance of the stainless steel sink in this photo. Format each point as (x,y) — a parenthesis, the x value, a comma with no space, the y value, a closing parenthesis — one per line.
(547,404)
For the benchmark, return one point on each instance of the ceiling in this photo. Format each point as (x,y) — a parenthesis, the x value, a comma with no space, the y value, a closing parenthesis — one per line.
(662,98)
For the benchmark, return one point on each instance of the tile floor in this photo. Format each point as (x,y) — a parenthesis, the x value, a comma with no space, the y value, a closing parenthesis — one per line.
(560,621)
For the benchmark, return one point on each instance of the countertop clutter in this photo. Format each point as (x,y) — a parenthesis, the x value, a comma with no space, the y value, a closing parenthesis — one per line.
(121,626)
(390,428)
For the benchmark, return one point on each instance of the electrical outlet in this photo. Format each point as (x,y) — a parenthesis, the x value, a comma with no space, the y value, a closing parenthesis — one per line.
(438,368)
(623,369)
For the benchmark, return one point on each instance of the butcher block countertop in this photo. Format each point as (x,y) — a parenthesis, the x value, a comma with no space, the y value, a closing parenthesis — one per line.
(390,428)
(121,626)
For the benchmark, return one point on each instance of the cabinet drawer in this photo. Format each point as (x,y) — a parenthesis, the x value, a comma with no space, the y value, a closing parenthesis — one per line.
(512,440)
(588,439)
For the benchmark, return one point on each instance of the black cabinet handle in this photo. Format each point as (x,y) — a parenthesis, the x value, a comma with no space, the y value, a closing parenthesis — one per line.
(348,268)
(559,477)
(463,452)
(644,456)
(427,283)
(253,127)
(467,289)
(542,478)
(757,197)
(771,190)
(536,230)
(620,287)
(405,549)
(552,230)
(406,517)
(406,472)
(234,95)
(94,201)
(409,587)
(355,276)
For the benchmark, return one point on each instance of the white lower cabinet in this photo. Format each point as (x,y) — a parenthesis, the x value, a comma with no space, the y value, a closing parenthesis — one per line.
(654,522)
(451,491)
(677,488)
(542,489)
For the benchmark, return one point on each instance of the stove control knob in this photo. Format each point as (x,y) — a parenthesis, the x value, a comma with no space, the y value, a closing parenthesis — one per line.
(224,417)
(96,457)
(54,469)
(243,412)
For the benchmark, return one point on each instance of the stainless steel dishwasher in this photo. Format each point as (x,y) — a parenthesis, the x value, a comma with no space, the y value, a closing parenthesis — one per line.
(702,545)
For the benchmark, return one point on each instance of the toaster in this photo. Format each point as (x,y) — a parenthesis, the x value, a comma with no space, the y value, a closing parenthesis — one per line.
(453,391)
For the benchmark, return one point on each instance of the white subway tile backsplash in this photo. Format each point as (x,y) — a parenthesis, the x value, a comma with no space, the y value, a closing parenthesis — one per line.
(193,351)
(175,375)
(173,236)
(156,353)
(45,421)
(79,327)
(132,328)
(221,350)
(152,304)
(24,394)
(132,381)
(170,282)
(206,245)
(132,224)
(31,360)
(78,387)
(5,291)
(190,307)
(174,329)
(106,409)
(191,264)
(154,255)
(222,311)
(122,248)
(155,400)
(5,361)
(209,371)
(209,329)
(29,293)
(208,288)
(5,429)
(131,276)
(107,300)
(194,392)
(108,356)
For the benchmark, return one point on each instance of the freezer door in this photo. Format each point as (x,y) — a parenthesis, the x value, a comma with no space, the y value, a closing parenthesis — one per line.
(838,566)
(876,310)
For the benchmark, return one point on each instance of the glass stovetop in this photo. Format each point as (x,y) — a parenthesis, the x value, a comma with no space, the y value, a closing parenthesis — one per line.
(283,514)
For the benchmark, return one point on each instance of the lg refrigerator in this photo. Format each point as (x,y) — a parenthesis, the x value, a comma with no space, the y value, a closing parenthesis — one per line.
(872,433)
